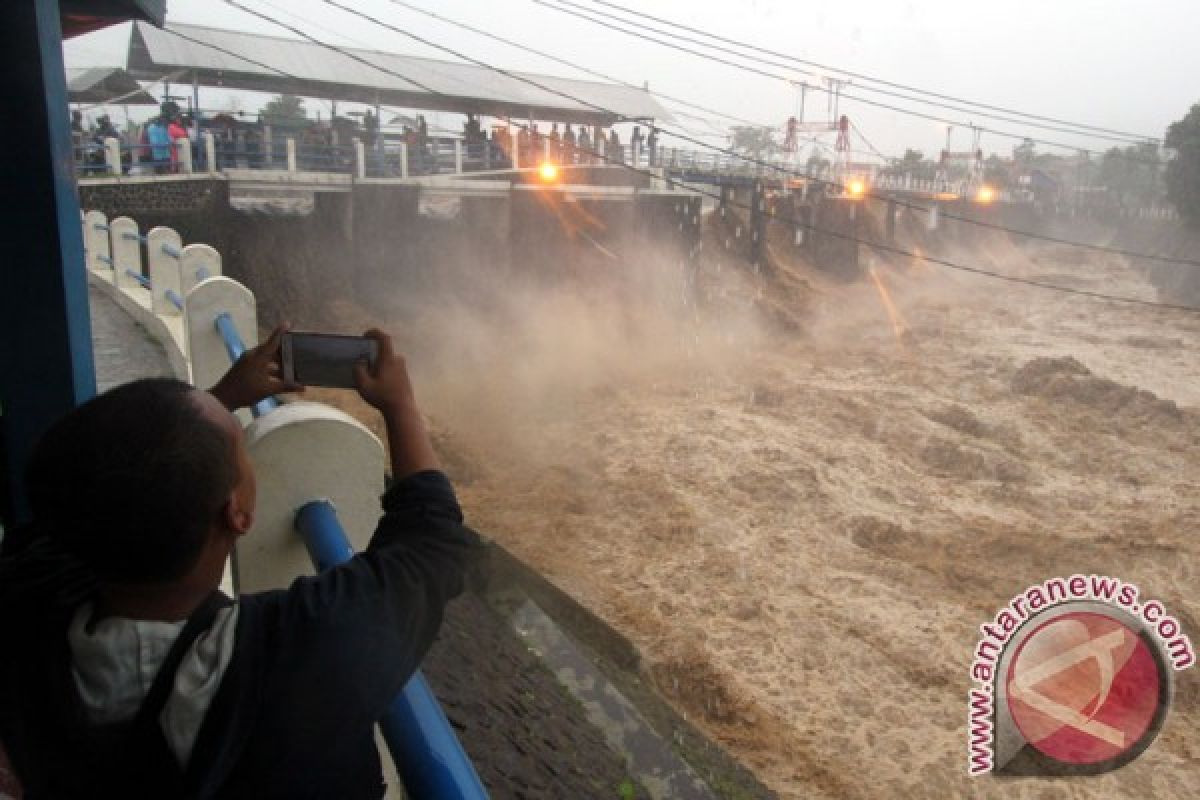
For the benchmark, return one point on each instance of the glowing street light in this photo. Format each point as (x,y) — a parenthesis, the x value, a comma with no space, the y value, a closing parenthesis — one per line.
(985,195)
(548,172)
(856,188)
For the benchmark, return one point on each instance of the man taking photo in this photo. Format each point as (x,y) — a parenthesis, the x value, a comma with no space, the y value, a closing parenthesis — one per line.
(127,673)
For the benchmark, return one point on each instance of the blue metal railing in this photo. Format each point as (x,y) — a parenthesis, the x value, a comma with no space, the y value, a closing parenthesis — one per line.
(429,758)
(235,348)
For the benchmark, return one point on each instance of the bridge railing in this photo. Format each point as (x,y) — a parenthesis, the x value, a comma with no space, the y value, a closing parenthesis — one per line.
(325,157)
(310,458)
(115,156)
(216,151)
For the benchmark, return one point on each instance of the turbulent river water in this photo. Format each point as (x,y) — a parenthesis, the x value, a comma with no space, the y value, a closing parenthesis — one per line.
(802,526)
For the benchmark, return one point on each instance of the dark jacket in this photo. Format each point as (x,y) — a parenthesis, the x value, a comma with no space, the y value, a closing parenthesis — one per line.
(314,666)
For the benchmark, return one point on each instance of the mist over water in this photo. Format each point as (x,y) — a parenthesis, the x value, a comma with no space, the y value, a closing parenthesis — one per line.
(799,496)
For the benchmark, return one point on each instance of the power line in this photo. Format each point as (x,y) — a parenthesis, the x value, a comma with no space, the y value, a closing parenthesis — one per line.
(361,45)
(1123,139)
(581,68)
(334,48)
(570,64)
(846,237)
(247,59)
(840,94)
(853,239)
(603,76)
(867,141)
(228,52)
(861,76)
(729,151)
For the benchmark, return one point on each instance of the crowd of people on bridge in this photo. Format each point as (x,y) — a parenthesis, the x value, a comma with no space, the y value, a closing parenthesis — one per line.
(591,145)
(156,146)
(153,147)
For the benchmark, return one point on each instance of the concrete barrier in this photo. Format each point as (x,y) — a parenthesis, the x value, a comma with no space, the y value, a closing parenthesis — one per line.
(303,452)
(198,262)
(96,243)
(126,253)
(163,248)
(205,302)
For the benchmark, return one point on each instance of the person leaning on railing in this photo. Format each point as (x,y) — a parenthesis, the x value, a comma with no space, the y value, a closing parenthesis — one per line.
(126,673)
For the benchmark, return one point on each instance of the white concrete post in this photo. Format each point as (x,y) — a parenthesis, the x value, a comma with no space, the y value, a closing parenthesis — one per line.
(96,242)
(546,148)
(126,253)
(112,154)
(291,154)
(183,151)
(303,452)
(458,157)
(360,159)
(932,223)
(206,349)
(516,150)
(210,152)
(659,182)
(404,159)
(198,262)
(164,269)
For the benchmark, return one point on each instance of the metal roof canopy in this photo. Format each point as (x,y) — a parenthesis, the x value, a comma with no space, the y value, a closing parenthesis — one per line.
(84,16)
(324,73)
(106,85)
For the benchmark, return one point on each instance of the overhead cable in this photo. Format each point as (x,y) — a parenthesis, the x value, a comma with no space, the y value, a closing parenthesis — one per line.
(835,234)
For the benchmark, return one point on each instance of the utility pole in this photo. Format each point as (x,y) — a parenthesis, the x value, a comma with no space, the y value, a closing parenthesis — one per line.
(833,91)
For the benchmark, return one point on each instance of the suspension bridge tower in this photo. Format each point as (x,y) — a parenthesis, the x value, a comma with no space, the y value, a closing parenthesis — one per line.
(971,160)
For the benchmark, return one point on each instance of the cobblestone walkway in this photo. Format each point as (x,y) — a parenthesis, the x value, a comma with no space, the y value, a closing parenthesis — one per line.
(527,737)
(123,350)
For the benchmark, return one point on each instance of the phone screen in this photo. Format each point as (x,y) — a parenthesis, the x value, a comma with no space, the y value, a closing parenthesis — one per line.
(325,359)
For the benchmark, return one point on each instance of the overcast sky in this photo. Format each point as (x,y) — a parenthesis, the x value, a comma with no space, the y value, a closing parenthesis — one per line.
(1118,64)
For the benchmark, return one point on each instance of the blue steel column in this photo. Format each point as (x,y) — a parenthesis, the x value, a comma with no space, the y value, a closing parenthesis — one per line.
(428,756)
(46,363)
(235,348)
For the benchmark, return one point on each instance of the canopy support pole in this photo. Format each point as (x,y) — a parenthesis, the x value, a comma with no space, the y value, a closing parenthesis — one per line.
(46,365)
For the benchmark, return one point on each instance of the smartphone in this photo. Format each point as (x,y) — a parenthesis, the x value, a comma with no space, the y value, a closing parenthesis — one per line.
(325,359)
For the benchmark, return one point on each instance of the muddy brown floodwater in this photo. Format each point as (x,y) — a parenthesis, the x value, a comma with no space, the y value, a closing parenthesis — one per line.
(802,531)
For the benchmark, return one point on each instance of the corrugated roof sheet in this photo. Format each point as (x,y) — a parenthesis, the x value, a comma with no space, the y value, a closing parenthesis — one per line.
(84,16)
(105,84)
(405,80)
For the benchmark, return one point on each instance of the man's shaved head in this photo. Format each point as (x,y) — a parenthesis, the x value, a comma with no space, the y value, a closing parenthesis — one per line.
(133,481)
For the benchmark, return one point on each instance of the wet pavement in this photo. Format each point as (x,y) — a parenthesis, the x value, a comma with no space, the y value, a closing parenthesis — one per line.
(123,350)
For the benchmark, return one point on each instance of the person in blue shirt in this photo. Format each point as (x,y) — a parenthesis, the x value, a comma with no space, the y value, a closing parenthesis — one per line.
(160,144)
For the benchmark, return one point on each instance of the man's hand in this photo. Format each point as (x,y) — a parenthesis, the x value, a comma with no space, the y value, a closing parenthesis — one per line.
(256,375)
(386,386)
